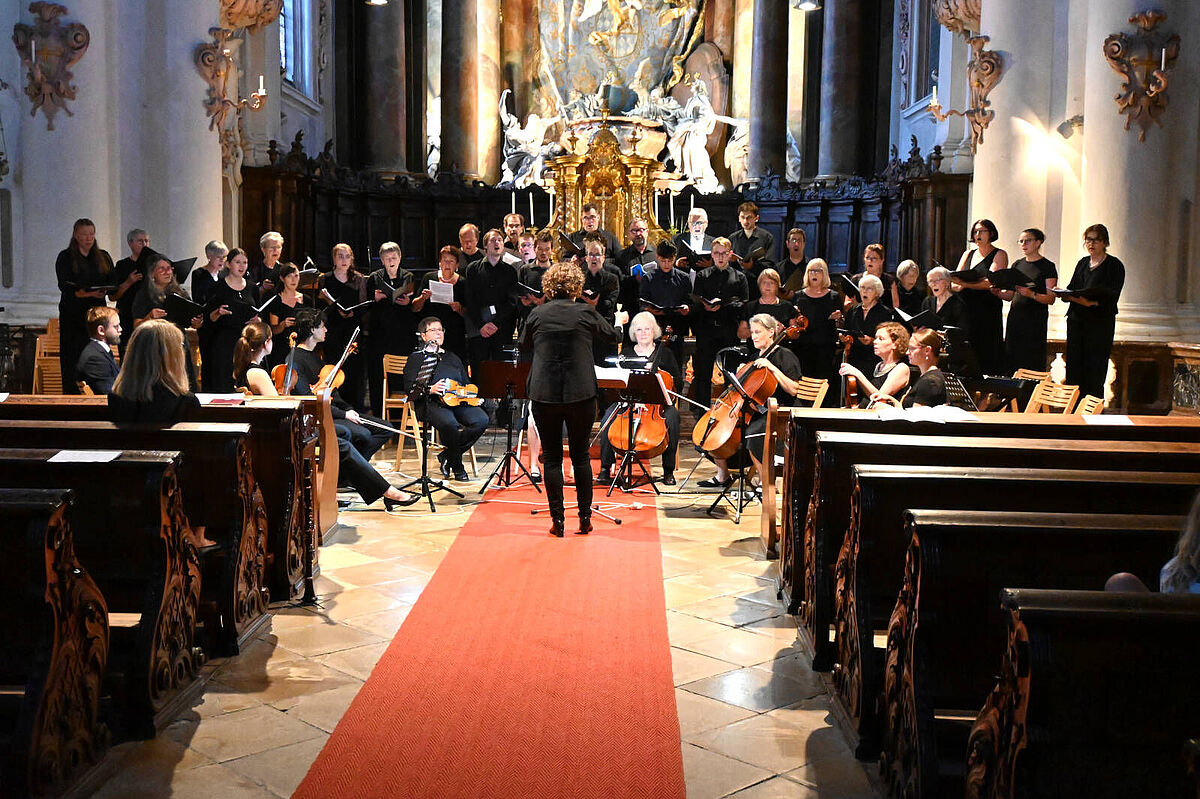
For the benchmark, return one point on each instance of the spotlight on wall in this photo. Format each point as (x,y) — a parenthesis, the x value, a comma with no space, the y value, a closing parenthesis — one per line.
(1068,126)
(808,5)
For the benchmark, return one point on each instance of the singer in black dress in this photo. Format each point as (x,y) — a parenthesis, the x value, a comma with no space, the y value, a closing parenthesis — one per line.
(1091,323)
(817,345)
(345,286)
(562,384)
(391,325)
(78,268)
(1025,338)
(985,325)
(451,315)
(862,322)
(228,310)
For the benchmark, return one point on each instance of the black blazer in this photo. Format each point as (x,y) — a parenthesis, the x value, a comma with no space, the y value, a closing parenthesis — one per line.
(97,367)
(561,333)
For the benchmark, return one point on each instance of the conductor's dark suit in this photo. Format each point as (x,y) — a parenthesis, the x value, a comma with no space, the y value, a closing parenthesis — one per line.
(97,367)
(562,387)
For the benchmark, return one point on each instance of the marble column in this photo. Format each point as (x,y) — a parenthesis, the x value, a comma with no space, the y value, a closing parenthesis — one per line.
(842,89)
(460,88)
(385,135)
(516,32)
(490,81)
(1140,190)
(743,58)
(768,91)
(718,25)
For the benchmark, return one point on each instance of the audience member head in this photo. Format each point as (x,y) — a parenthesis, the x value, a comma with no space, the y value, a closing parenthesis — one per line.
(104,324)
(816,275)
(153,356)
(562,280)
(1184,568)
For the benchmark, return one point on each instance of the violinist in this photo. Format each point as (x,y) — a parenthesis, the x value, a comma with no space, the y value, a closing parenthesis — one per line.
(645,349)
(424,380)
(890,374)
(862,321)
(785,367)
(720,293)
(282,313)
(357,442)
(251,350)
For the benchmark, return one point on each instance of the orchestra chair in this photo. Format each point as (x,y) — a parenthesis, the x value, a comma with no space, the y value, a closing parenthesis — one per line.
(45,345)
(47,375)
(1089,405)
(812,390)
(1050,396)
(392,400)
(1027,374)
(52,330)
(84,388)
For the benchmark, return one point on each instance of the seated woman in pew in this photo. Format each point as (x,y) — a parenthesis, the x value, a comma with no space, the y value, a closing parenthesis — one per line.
(1180,574)
(252,349)
(928,390)
(891,374)
(152,387)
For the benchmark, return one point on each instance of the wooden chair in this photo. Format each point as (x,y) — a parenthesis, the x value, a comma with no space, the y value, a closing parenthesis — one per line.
(812,391)
(1050,396)
(47,375)
(52,327)
(84,388)
(398,400)
(1089,405)
(45,345)
(1026,374)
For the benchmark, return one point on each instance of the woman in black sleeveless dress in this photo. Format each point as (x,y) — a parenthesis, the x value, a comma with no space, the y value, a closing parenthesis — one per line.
(985,326)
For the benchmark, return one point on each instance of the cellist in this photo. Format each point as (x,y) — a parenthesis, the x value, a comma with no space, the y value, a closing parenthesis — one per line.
(645,347)
(782,362)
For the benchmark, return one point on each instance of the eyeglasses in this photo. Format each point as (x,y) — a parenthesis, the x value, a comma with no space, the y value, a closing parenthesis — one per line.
(1091,240)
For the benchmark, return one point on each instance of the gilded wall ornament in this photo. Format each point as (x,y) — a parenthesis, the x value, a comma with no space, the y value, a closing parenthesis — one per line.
(249,14)
(48,49)
(1142,59)
(984,71)
(216,63)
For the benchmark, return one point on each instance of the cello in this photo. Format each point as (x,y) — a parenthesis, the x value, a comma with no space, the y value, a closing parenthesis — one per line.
(718,431)
(648,422)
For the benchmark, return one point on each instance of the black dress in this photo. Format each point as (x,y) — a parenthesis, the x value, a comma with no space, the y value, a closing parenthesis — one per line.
(74,272)
(817,345)
(862,355)
(953,314)
(1090,330)
(783,311)
(452,321)
(280,346)
(339,329)
(203,284)
(985,325)
(1025,338)
(143,304)
(911,299)
(928,390)
(392,330)
(164,408)
(226,330)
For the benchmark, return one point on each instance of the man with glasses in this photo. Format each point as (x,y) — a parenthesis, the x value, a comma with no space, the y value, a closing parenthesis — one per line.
(694,241)
(591,225)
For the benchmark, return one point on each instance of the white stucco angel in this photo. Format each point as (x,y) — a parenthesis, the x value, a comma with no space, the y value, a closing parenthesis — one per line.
(524,147)
(688,143)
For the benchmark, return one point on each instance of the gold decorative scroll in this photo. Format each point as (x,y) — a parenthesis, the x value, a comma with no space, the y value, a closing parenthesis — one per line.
(1142,59)
(48,49)
(958,16)
(249,14)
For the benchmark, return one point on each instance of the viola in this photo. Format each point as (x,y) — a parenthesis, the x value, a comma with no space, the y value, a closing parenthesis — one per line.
(850,393)
(718,432)
(284,375)
(455,394)
(331,375)
(645,425)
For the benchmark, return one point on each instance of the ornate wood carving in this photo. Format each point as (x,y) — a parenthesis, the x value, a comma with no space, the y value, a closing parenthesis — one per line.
(903,47)
(217,64)
(250,568)
(900,759)
(48,49)
(324,32)
(66,736)
(847,675)
(250,14)
(1142,60)
(810,577)
(998,734)
(958,16)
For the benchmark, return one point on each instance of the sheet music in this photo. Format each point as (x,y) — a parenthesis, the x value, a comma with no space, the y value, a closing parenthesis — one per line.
(613,374)
(441,292)
(221,399)
(3,396)
(84,456)
(1108,419)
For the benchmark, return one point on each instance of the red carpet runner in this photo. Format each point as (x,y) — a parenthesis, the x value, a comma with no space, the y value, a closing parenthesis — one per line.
(530,667)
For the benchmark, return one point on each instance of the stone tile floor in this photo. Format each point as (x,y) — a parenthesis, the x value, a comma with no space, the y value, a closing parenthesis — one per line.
(756,722)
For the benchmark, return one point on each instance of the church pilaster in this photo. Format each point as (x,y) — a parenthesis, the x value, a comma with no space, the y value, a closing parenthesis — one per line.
(842,86)
(386,131)
(768,89)
(460,87)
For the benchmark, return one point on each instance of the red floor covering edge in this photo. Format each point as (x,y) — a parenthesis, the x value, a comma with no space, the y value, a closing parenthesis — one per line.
(530,666)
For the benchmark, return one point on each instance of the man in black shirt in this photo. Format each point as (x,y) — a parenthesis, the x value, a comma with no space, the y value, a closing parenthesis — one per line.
(720,292)
(591,225)
(491,307)
(468,246)
(750,236)
(696,240)
(633,262)
(601,283)
(793,264)
(530,275)
(513,225)
(129,275)
(665,292)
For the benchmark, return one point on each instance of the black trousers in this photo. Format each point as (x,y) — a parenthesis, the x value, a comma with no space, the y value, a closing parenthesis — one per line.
(460,427)
(578,416)
(356,444)
(481,349)
(608,454)
(1089,345)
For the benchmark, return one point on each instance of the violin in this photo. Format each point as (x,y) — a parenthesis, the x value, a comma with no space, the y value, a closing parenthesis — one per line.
(644,425)
(284,375)
(455,394)
(717,432)
(331,375)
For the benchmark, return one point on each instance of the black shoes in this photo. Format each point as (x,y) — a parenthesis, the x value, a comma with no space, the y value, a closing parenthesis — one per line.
(444,465)
(391,504)
(535,477)
(460,474)
(585,525)
(668,480)
(557,528)
(713,482)
(604,477)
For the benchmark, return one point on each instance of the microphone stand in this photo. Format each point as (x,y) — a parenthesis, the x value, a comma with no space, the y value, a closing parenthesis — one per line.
(425,484)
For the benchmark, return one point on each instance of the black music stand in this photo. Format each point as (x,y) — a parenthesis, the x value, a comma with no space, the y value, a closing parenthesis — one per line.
(737,486)
(640,388)
(505,379)
(426,484)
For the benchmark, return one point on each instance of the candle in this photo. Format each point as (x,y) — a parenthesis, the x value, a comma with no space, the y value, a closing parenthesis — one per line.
(262,87)
(32,51)
(692,202)
(1164,60)
(531,207)
(514,202)
(934,100)
(671,202)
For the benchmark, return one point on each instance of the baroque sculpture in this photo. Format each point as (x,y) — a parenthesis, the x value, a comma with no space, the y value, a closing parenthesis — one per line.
(48,49)
(1142,60)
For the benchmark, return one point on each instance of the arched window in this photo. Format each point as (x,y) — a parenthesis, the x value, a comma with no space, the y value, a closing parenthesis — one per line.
(295,44)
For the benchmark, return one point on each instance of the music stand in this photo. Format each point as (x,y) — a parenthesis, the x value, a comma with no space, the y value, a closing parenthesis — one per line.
(505,379)
(426,485)
(644,388)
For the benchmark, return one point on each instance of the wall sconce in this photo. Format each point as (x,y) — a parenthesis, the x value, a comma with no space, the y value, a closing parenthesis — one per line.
(216,64)
(984,71)
(48,49)
(1067,127)
(1142,60)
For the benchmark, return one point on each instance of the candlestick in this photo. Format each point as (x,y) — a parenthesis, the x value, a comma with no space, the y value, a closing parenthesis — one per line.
(692,202)
(934,100)
(262,86)
(531,208)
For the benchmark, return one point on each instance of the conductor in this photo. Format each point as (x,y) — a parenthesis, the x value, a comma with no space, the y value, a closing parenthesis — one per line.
(562,384)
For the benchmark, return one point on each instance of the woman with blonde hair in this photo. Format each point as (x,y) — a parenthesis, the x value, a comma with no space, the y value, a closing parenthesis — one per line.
(152,387)
(817,345)
(252,348)
(346,287)
(891,374)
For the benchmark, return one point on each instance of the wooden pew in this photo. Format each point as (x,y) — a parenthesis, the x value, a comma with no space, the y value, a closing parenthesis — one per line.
(55,633)
(219,493)
(828,508)
(131,534)
(946,633)
(799,426)
(870,567)
(1096,698)
(301,502)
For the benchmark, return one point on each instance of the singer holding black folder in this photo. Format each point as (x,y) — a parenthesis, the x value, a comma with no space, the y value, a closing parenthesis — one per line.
(346,292)
(562,385)
(720,293)
(83,271)
(665,293)
(230,307)
(1092,320)
(984,307)
(391,325)
(1025,338)
(152,302)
